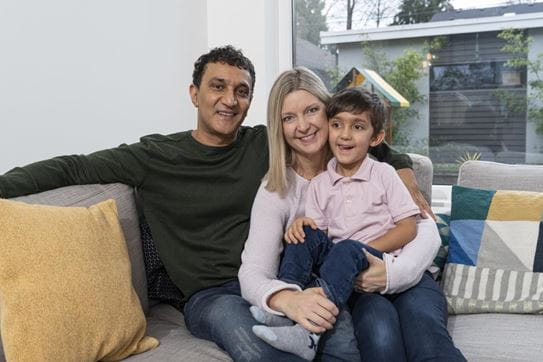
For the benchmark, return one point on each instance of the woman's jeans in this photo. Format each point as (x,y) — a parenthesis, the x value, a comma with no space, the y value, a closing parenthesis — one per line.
(221,315)
(406,326)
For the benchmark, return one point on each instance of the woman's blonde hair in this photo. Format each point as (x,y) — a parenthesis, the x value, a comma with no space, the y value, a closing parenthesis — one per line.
(281,157)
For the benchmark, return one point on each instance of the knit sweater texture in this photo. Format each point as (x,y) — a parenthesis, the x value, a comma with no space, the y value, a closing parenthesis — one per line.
(197,199)
(270,217)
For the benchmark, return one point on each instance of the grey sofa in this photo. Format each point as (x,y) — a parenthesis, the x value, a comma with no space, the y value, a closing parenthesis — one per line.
(499,337)
(480,337)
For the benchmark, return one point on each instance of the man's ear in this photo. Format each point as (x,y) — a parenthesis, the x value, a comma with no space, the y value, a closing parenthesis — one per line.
(378,138)
(193,91)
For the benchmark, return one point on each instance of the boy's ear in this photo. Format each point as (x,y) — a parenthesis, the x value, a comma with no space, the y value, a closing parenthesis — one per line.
(378,138)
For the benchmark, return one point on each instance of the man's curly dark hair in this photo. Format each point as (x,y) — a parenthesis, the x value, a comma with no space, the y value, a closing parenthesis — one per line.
(226,54)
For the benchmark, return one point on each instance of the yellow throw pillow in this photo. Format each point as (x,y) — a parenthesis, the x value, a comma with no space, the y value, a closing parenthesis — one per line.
(65,285)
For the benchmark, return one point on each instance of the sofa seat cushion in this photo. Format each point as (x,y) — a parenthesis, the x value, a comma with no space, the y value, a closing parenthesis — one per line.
(167,324)
(498,337)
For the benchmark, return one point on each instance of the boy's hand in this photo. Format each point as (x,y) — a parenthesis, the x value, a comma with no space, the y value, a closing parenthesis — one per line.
(295,232)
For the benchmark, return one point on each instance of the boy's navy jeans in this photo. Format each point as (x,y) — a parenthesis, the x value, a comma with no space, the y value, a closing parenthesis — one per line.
(336,265)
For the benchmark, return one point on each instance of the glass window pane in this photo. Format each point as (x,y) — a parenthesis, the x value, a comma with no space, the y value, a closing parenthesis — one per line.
(475,90)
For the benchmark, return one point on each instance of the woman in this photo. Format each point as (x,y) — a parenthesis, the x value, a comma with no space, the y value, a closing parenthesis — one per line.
(410,327)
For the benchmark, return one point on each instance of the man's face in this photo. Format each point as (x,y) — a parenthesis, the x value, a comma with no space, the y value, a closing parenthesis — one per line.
(223,99)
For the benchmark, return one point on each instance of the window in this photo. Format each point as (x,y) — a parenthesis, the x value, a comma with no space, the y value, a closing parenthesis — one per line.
(481,75)
(475,89)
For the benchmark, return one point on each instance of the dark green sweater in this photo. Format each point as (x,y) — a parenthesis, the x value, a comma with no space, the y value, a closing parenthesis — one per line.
(197,199)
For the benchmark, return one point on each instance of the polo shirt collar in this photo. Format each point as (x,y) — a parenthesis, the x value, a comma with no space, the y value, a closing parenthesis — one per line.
(362,174)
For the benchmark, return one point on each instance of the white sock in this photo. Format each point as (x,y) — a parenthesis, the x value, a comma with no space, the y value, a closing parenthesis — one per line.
(295,339)
(268,318)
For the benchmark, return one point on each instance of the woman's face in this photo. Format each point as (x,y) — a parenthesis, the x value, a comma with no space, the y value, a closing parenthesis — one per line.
(305,125)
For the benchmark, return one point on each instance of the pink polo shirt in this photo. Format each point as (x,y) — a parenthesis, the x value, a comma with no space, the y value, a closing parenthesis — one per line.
(361,207)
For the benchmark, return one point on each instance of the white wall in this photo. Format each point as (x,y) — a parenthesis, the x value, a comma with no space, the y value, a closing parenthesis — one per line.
(77,76)
(262,29)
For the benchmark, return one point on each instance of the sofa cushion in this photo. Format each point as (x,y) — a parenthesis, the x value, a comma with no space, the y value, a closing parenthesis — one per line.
(498,337)
(159,284)
(65,285)
(442,222)
(86,195)
(176,343)
(495,255)
(424,173)
(500,176)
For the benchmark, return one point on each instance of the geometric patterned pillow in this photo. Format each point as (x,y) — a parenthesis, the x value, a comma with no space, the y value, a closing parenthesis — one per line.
(442,222)
(495,259)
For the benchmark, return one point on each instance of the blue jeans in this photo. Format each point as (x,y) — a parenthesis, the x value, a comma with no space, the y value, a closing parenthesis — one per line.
(336,265)
(221,315)
(408,326)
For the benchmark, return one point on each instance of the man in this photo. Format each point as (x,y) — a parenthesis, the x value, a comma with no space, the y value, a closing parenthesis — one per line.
(196,189)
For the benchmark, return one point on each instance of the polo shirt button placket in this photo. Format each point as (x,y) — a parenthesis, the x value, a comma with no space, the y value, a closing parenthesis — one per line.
(348,198)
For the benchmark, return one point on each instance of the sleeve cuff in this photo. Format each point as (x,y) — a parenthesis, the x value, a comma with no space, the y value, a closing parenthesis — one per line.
(266,297)
(389,260)
(406,213)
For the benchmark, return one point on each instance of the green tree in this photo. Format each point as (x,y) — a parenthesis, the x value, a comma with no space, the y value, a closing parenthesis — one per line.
(402,74)
(310,20)
(420,11)
(518,44)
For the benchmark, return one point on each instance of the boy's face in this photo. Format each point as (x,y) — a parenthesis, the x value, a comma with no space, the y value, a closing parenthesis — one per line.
(222,99)
(350,137)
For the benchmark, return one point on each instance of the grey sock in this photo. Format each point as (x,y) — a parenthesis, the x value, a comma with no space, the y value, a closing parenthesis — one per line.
(295,339)
(269,319)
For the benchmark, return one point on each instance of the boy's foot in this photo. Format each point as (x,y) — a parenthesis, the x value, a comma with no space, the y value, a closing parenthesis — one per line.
(295,339)
(268,318)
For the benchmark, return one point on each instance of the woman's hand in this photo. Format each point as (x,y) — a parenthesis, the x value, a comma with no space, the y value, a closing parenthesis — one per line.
(295,232)
(408,178)
(373,279)
(309,308)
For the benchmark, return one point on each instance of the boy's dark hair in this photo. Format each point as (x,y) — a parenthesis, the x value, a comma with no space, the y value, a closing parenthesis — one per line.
(226,54)
(359,100)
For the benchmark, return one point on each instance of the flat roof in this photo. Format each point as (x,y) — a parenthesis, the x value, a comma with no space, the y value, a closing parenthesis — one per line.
(486,12)
(435,28)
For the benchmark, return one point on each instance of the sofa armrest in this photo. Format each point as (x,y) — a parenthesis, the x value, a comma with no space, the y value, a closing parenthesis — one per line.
(424,173)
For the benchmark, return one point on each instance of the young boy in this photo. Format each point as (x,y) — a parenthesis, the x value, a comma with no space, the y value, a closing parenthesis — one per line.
(357,204)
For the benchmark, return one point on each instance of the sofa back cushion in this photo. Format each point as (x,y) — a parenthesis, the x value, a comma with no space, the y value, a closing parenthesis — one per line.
(87,195)
(424,173)
(500,176)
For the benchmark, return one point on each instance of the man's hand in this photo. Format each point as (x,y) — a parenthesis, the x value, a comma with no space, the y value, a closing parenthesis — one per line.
(408,178)
(295,232)
(310,308)
(374,278)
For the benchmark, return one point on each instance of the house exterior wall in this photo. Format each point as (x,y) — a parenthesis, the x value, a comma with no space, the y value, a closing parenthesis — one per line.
(350,54)
(534,142)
